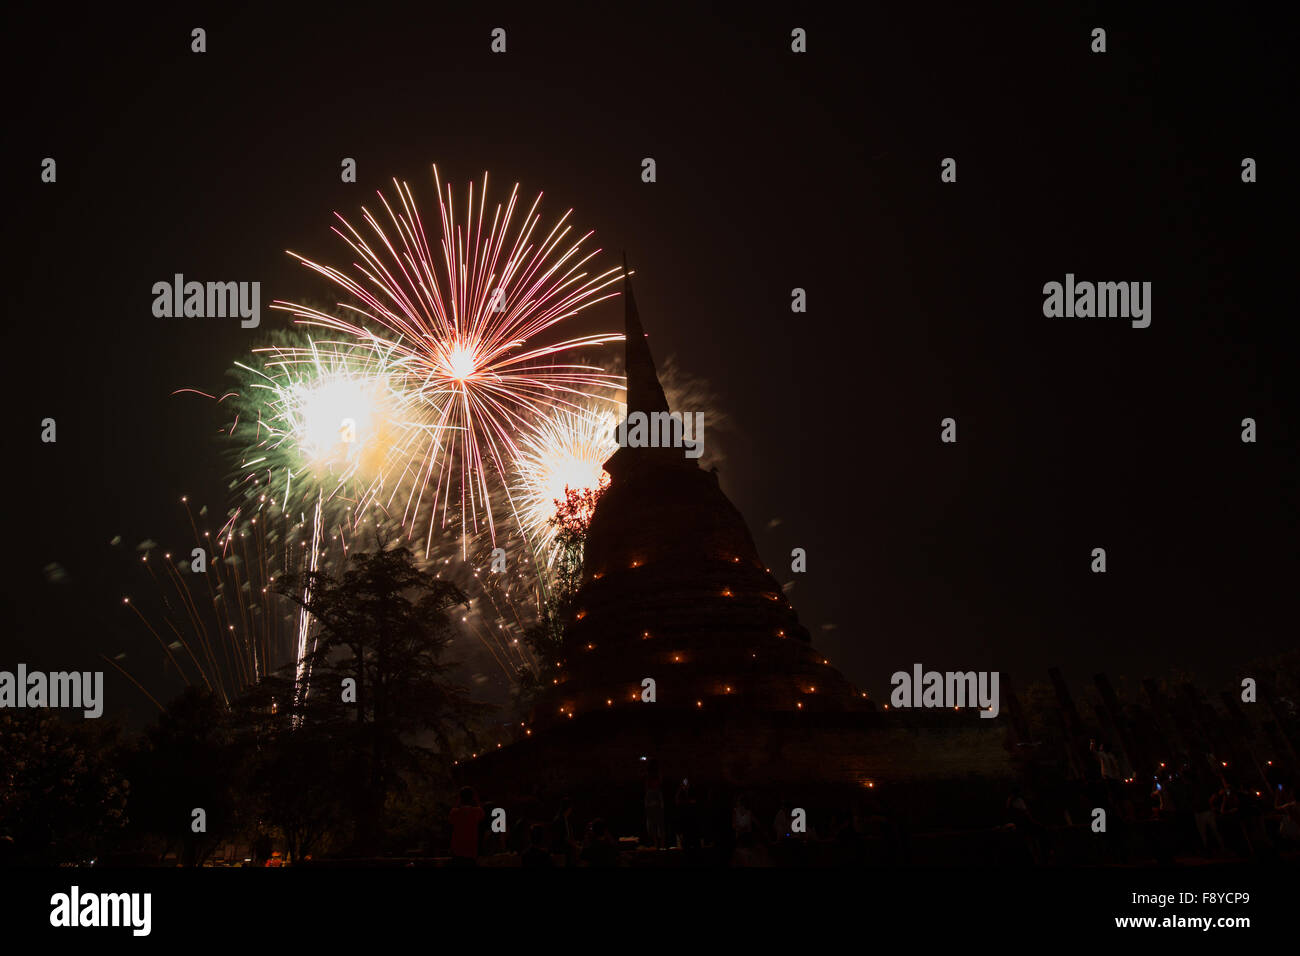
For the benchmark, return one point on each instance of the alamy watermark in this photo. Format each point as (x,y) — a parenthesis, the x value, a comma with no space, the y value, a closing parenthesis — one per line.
(1102,300)
(662,430)
(75,908)
(950,689)
(74,689)
(208,300)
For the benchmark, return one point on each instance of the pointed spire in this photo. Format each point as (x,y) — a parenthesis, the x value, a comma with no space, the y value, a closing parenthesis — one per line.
(644,393)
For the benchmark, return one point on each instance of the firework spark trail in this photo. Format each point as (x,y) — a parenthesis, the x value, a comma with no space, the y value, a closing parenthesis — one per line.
(489,627)
(123,671)
(463,336)
(166,649)
(250,645)
(203,544)
(186,597)
(199,633)
(304,620)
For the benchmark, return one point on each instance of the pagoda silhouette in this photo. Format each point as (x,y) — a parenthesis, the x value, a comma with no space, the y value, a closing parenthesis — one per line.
(673,589)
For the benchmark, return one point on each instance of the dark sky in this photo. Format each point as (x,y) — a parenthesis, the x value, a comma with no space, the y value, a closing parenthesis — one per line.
(774,171)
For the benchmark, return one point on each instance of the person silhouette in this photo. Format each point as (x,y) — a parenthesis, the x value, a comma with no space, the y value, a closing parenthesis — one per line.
(465,820)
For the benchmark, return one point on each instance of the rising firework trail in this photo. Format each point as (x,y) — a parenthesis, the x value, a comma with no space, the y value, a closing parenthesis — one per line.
(326,416)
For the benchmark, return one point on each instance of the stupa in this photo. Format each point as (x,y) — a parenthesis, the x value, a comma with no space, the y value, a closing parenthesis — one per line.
(673,590)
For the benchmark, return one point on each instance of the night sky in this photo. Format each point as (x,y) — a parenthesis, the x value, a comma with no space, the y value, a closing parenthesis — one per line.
(775,171)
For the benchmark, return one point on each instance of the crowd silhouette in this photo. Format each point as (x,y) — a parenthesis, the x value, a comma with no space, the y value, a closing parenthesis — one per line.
(1186,814)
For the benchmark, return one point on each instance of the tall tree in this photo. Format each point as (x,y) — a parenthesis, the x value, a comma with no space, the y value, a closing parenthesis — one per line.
(187,761)
(383,627)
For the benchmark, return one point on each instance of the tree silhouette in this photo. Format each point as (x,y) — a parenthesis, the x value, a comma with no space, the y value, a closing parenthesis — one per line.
(382,629)
(187,760)
(300,764)
(61,797)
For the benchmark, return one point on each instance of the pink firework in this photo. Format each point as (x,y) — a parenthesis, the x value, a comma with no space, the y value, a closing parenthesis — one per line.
(470,330)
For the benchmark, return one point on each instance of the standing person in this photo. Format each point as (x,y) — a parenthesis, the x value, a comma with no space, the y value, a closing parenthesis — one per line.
(537,856)
(563,839)
(1205,816)
(465,820)
(654,805)
(742,818)
(1108,764)
(1227,809)
(688,822)
(1285,804)
(781,822)
(1030,830)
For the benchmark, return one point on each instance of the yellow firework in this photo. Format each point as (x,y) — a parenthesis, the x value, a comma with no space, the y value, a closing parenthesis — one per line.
(563,451)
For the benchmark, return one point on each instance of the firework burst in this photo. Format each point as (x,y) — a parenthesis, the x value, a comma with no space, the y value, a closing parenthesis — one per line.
(562,452)
(322,420)
(470,329)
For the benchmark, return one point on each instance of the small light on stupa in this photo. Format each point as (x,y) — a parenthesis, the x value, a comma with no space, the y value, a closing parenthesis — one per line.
(591,647)
(699,703)
(824,661)
(677,659)
(1225,763)
(799,704)
(728,690)
(581,615)
(636,564)
(528,733)
(726,592)
(598,575)
(780,633)
(608,702)
(735,560)
(886,707)
(645,635)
